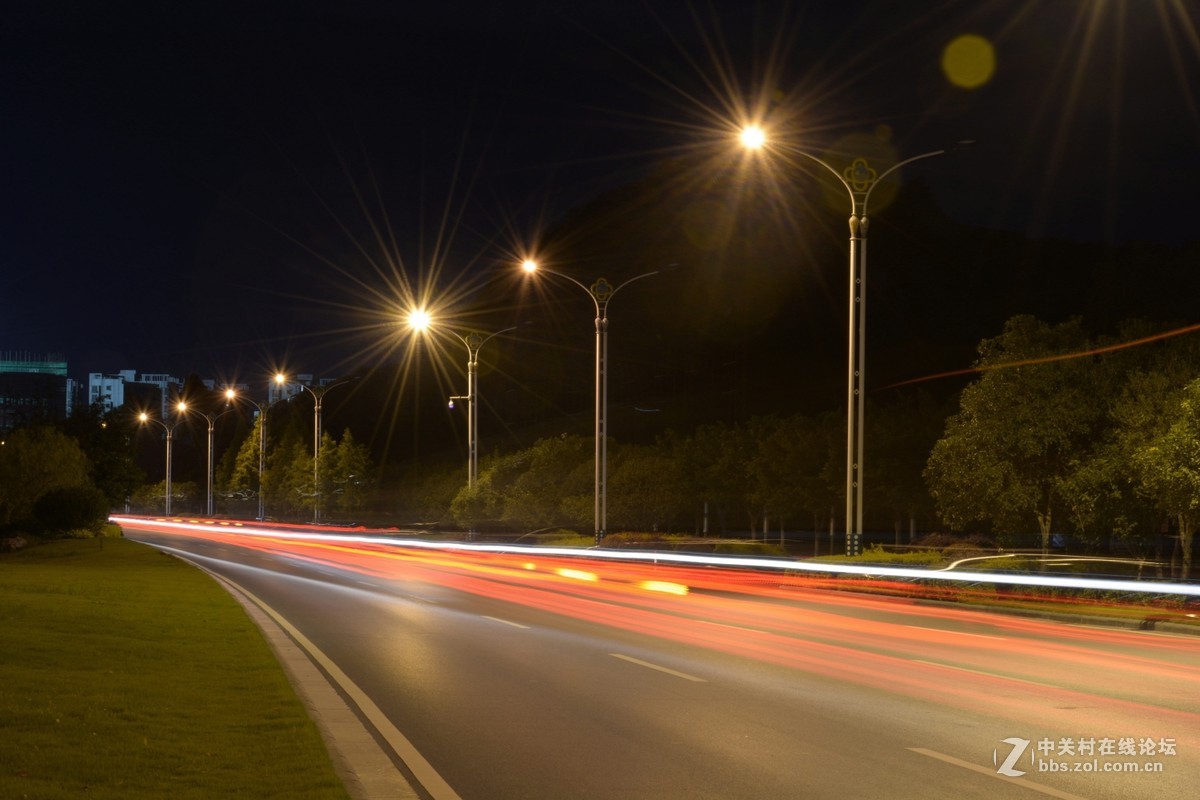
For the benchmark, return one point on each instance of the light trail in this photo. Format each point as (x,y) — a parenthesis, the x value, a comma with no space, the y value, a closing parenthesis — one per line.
(763,564)
(1110,680)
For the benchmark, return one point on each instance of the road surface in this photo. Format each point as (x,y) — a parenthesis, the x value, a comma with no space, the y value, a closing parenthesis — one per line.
(527,676)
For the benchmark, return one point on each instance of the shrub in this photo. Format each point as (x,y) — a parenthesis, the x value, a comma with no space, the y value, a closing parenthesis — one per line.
(71,508)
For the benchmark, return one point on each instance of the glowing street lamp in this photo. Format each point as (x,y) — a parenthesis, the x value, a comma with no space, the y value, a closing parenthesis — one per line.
(262,439)
(601,292)
(230,396)
(318,394)
(473,341)
(859,179)
(169,427)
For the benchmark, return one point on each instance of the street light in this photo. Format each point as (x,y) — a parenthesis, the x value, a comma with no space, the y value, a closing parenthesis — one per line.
(601,293)
(473,341)
(262,439)
(318,394)
(859,180)
(143,418)
(230,395)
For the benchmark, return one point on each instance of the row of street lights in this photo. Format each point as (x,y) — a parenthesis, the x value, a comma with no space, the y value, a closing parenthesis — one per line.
(859,180)
(232,396)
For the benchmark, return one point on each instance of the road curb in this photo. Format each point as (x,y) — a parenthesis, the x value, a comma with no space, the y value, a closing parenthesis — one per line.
(360,761)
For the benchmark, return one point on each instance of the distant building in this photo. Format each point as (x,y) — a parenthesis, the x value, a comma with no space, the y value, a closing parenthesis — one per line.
(34,388)
(146,390)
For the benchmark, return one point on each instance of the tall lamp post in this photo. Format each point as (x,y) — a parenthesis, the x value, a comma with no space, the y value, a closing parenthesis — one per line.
(262,440)
(473,341)
(230,396)
(601,292)
(859,179)
(318,394)
(169,427)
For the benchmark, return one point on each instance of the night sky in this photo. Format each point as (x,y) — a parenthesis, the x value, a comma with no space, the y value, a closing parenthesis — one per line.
(227,188)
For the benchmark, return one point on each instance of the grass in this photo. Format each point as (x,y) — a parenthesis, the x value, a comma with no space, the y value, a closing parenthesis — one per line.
(126,673)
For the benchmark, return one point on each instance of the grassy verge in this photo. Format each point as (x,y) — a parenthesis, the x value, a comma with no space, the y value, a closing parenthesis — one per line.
(126,673)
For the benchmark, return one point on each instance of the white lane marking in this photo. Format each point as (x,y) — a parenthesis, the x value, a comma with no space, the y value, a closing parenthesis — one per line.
(667,670)
(987,674)
(956,633)
(507,622)
(422,770)
(991,773)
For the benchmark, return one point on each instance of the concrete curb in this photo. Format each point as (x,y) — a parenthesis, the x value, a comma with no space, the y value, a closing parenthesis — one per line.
(366,769)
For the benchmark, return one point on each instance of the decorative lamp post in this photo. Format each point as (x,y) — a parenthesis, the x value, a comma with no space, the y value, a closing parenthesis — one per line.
(230,396)
(473,341)
(859,179)
(169,427)
(601,293)
(318,394)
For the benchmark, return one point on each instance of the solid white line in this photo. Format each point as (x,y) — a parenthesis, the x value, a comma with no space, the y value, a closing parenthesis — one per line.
(422,770)
(987,674)
(667,670)
(507,622)
(1037,787)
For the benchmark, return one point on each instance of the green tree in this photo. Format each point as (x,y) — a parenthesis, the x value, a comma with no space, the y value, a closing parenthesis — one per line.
(106,441)
(34,461)
(645,492)
(1168,468)
(1019,430)
(351,476)
(243,477)
(288,483)
(550,489)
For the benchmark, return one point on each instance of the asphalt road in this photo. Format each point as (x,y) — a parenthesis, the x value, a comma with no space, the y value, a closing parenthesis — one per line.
(531,677)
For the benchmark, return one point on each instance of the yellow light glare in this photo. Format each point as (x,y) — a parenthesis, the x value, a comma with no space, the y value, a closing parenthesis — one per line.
(577,574)
(230,394)
(419,319)
(753,137)
(279,378)
(143,417)
(664,586)
(529,565)
(529,265)
(969,61)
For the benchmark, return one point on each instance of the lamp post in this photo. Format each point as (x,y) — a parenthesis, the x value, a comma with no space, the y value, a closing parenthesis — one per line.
(601,293)
(318,394)
(143,418)
(262,440)
(230,396)
(859,179)
(473,341)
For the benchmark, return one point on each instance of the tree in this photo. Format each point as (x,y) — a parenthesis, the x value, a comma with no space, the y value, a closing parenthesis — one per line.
(645,492)
(350,475)
(34,461)
(1168,468)
(243,478)
(1019,429)
(557,476)
(105,440)
(288,483)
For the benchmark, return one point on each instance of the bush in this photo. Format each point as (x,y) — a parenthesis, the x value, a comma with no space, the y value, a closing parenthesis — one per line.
(71,508)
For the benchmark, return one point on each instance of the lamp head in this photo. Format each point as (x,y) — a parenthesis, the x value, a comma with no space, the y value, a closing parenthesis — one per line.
(753,137)
(419,319)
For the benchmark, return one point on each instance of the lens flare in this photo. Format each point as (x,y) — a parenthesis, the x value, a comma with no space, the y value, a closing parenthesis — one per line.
(969,61)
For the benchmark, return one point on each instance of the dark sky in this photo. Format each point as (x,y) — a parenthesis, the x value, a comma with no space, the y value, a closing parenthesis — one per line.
(222,188)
